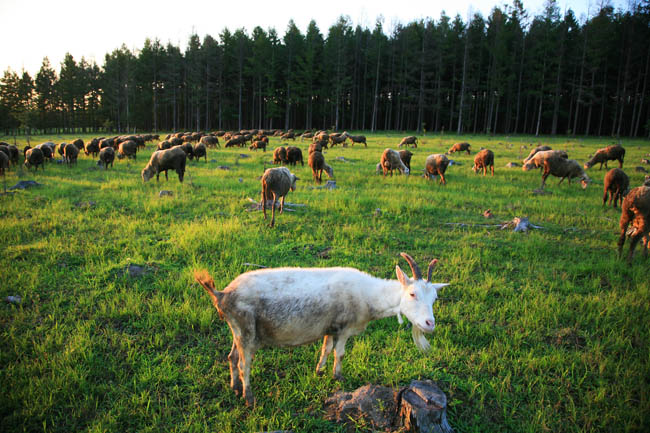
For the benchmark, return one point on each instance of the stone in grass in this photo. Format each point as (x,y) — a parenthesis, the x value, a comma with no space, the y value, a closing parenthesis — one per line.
(374,405)
(14,300)
(512,165)
(423,408)
(135,271)
(164,193)
(24,184)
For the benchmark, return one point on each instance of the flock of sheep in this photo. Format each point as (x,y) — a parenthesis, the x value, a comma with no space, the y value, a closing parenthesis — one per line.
(173,152)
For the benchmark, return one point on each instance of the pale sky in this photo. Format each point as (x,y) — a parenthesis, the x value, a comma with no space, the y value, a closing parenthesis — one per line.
(33,29)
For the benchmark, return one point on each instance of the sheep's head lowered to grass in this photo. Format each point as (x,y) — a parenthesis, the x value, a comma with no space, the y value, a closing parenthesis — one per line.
(417,300)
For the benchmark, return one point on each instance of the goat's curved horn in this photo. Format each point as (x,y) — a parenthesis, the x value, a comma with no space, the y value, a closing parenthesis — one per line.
(432,265)
(417,274)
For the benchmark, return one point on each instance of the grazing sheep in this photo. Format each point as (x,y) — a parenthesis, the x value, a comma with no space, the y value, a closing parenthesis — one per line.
(460,147)
(317,163)
(534,151)
(609,153)
(4,148)
(617,184)
(34,158)
(537,161)
(337,139)
(280,155)
(296,306)
(289,135)
(210,141)
(315,147)
(188,149)
(276,182)
(435,165)
(47,149)
(13,154)
(200,151)
(646,182)
(237,140)
(636,210)
(107,156)
(176,141)
(356,138)
(163,160)
(127,149)
(565,169)
(92,147)
(483,160)
(405,156)
(321,136)
(164,145)
(79,143)
(306,134)
(390,160)
(4,163)
(104,143)
(324,143)
(294,155)
(411,139)
(70,154)
(258,144)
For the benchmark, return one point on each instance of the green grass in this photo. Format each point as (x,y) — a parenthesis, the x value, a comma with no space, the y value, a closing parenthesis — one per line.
(542,331)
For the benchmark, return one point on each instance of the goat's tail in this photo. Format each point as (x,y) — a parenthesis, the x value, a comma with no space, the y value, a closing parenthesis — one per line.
(204,279)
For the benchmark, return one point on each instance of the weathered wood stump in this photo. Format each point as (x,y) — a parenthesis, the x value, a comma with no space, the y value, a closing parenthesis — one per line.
(423,408)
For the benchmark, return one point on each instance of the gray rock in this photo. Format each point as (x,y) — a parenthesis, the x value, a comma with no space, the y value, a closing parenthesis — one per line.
(512,165)
(164,193)
(25,184)
(14,300)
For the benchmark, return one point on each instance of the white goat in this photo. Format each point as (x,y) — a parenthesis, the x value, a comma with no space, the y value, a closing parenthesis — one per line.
(295,306)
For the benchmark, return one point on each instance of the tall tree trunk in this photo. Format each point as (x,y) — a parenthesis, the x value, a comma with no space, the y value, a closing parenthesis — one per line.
(375,105)
(582,73)
(603,100)
(591,102)
(645,82)
(521,72)
(463,83)
(624,93)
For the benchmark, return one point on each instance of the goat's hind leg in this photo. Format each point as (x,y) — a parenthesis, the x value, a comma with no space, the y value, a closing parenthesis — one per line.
(328,345)
(235,379)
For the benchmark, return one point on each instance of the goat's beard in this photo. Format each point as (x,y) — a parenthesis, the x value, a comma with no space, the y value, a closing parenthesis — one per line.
(419,339)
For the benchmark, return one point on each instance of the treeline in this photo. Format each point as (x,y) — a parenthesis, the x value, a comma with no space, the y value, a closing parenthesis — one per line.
(507,74)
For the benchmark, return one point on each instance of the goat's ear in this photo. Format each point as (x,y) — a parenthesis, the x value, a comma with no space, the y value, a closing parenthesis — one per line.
(439,286)
(401,276)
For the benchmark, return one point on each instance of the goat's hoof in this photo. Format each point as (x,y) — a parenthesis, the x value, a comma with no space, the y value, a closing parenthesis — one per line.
(250,401)
(338,377)
(319,373)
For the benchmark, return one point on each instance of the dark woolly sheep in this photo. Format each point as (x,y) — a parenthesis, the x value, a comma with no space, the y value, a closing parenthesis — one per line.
(537,161)
(288,136)
(200,151)
(564,169)
(237,140)
(406,141)
(92,147)
(5,150)
(609,153)
(636,210)
(317,163)
(276,183)
(220,133)
(70,154)
(338,139)
(534,151)
(188,149)
(280,155)
(210,141)
(321,136)
(175,141)
(48,151)
(258,144)
(315,147)
(13,154)
(460,147)
(4,163)
(107,156)
(34,158)
(483,160)
(127,149)
(163,160)
(164,145)
(323,143)
(405,156)
(294,155)
(306,134)
(390,160)
(617,184)
(435,165)
(79,143)
(104,143)
(356,138)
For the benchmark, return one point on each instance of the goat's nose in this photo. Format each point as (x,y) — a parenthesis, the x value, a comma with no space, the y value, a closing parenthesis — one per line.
(429,323)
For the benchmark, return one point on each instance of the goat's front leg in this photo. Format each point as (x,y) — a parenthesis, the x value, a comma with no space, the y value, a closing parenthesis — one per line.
(328,344)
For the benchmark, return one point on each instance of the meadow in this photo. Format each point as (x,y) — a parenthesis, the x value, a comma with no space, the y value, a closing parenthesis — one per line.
(539,331)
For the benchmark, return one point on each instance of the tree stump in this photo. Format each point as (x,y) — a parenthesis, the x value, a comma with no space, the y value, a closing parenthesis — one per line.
(423,408)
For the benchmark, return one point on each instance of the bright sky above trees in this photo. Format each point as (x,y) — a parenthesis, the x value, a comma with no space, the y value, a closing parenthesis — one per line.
(40,28)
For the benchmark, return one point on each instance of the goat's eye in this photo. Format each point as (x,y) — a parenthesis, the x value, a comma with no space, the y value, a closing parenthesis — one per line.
(412,295)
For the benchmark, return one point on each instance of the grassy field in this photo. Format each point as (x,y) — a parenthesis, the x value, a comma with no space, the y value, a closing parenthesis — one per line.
(542,331)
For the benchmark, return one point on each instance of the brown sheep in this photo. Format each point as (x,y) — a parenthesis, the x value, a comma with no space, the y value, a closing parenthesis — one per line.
(609,153)
(188,149)
(405,156)
(210,141)
(47,149)
(411,139)
(537,161)
(92,147)
(280,155)
(535,150)
(70,154)
(200,151)
(315,147)
(163,160)
(483,160)
(127,149)
(104,143)
(175,141)
(4,163)
(13,154)
(356,138)
(390,160)
(321,136)
(107,156)
(306,134)
(617,184)
(4,148)
(564,169)
(288,135)
(435,165)
(164,145)
(34,158)
(237,140)
(636,210)
(79,143)
(317,163)
(337,139)
(258,144)
(324,143)
(276,182)
(460,147)
(294,155)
